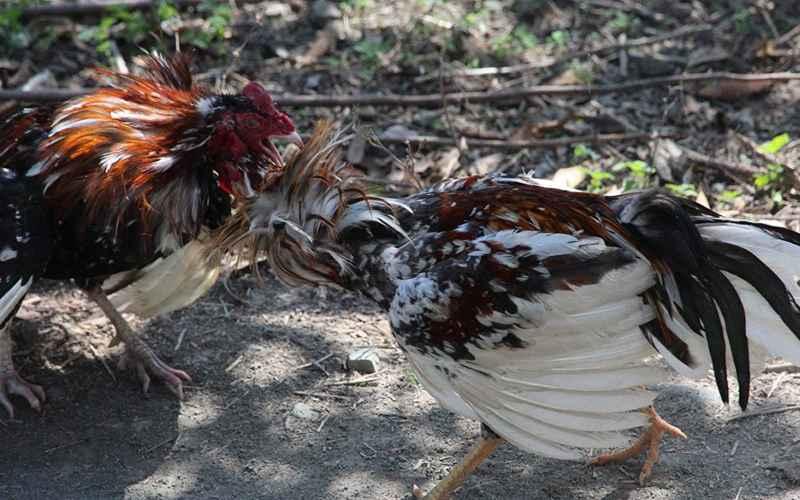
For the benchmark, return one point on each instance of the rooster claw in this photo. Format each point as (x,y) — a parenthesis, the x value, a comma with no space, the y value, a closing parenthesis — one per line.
(12,383)
(146,363)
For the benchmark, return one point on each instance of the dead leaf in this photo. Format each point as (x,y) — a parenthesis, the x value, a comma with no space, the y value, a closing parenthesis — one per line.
(704,55)
(569,177)
(702,199)
(439,166)
(486,164)
(322,44)
(537,128)
(732,90)
(568,77)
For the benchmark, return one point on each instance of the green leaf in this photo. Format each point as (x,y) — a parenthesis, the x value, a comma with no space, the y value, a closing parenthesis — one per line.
(685,190)
(775,144)
(729,195)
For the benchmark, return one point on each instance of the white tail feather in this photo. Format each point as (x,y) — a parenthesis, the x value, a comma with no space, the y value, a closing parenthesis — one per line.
(169,283)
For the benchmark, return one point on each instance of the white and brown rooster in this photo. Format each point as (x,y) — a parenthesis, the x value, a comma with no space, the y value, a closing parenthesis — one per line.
(533,309)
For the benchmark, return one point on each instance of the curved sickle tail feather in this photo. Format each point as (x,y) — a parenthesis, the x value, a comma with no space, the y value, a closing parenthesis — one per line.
(730,283)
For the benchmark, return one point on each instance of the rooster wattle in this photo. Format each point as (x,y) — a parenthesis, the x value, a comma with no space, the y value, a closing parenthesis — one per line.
(118,190)
(533,309)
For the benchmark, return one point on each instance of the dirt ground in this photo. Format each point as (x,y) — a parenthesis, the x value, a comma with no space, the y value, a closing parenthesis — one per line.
(373,436)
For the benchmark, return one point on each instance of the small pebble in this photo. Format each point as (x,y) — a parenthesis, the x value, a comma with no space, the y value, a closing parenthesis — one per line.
(363,360)
(304,411)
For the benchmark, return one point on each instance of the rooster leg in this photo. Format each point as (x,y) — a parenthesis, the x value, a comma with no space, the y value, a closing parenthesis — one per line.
(137,353)
(10,381)
(650,441)
(488,442)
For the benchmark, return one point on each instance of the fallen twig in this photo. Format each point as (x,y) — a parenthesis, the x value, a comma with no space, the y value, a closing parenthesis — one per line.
(522,68)
(765,411)
(316,363)
(436,100)
(81,9)
(322,395)
(432,140)
(102,360)
(732,169)
(358,381)
(783,367)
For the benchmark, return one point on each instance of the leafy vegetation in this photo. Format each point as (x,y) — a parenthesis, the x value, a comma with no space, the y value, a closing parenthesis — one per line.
(639,172)
(772,181)
(12,32)
(126,27)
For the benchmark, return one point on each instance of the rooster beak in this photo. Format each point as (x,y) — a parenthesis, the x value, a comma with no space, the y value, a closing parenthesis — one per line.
(293,138)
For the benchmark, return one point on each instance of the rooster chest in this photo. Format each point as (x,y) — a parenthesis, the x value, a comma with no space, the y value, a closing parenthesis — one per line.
(87,252)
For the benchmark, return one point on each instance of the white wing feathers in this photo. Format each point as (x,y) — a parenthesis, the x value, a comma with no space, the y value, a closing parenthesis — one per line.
(578,381)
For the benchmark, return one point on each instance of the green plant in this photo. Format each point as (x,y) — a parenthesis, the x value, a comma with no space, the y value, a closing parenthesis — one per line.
(639,174)
(517,41)
(742,21)
(370,52)
(12,31)
(775,144)
(558,38)
(129,25)
(621,22)
(729,196)
(684,190)
(218,21)
(598,179)
(772,180)
(582,152)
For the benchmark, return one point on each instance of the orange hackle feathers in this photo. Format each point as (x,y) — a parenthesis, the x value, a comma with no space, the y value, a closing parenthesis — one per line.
(116,148)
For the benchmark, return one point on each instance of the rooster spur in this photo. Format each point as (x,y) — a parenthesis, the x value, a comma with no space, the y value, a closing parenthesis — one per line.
(535,310)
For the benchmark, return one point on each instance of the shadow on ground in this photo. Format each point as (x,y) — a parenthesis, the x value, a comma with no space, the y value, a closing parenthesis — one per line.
(235,435)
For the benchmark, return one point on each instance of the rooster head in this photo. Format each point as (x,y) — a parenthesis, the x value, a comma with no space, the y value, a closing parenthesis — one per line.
(243,127)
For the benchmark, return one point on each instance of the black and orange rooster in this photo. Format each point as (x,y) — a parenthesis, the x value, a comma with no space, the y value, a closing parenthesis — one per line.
(533,309)
(119,189)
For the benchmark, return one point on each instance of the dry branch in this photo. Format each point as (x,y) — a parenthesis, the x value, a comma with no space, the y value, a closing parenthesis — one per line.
(522,68)
(432,140)
(437,100)
(81,9)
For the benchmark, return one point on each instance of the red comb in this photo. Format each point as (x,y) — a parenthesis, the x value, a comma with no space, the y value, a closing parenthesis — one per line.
(256,93)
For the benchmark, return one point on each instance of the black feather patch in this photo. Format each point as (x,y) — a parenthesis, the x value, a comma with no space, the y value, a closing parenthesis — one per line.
(729,303)
(742,263)
(712,326)
(665,228)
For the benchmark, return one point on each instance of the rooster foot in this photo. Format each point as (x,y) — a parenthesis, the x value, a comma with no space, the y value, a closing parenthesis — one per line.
(650,440)
(140,357)
(12,383)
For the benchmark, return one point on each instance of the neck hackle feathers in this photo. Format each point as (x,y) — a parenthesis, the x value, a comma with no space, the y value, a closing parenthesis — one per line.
(157,146)
(300,225)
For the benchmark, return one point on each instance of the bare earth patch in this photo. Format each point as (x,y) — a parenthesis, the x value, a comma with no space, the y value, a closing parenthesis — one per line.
(368,436)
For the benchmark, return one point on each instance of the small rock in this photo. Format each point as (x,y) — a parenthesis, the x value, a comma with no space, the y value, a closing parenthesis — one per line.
(305,412)
(398,132)
(670,160)
(323,10)
(569,177)
(363,360)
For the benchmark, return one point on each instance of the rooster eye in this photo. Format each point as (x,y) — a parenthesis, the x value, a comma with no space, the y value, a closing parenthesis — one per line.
(251,123)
